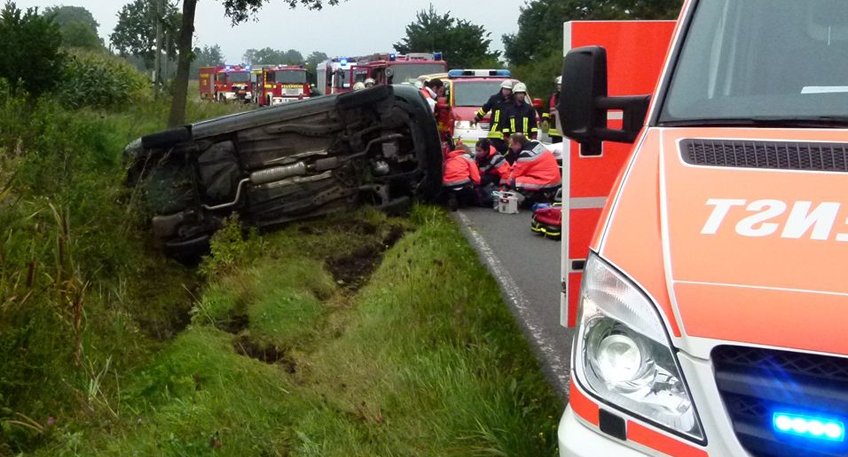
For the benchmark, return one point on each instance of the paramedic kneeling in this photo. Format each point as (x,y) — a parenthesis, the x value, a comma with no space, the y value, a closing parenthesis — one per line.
(460,179)
(535,174)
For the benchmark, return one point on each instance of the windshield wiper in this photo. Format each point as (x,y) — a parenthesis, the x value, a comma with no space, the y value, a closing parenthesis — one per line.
(764,121)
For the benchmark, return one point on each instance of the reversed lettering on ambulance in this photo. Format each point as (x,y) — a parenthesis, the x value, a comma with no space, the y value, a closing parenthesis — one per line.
(805,219)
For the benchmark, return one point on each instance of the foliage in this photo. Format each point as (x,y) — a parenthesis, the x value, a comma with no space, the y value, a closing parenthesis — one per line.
(269,56)
(135,33)
(78,26)
(30,58)
(465,45)
(241,10)
(535,52)
(209,56)
(231,248)
(101,81)
(312,61)
(64,15)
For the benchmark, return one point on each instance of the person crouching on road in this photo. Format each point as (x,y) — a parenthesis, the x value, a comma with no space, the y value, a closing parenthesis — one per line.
(460,179)
(535,175)
(494,171)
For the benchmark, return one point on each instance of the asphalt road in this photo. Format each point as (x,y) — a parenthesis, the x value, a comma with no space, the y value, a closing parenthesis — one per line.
(527,267)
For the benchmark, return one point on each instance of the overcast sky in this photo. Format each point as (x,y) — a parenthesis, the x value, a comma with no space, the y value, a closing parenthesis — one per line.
(355,27)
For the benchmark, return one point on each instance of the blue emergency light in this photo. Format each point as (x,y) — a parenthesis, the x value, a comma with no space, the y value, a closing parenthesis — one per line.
(808,426)
(228,68)
(392,57)
(437,56)
(343,62)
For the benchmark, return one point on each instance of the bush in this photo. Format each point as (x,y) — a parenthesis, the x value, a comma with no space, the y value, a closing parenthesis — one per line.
(29,50)
(101,81)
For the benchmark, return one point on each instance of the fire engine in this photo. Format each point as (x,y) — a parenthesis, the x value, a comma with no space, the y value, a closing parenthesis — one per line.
(705,255)
(282,84)
(340,74)
(226,83)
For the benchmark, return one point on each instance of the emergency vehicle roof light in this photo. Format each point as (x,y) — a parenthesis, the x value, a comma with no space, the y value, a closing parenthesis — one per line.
(392,57)
(437,56)
(343,62)
(479,73)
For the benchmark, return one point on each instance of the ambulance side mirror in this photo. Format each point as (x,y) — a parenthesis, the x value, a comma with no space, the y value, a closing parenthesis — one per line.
(584,102)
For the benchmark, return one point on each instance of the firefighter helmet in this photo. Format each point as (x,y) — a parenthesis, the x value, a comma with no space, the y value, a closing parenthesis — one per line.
(370,82)
(520,87)
(559,80)
(507,84)
(358,86)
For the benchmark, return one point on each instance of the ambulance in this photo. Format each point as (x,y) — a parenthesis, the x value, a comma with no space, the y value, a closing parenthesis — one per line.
(709,300)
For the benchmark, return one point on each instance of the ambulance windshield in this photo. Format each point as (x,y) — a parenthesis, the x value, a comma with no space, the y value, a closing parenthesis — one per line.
(758,61)
(475,93)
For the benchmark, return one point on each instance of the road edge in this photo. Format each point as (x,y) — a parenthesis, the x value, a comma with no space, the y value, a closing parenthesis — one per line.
(553,366)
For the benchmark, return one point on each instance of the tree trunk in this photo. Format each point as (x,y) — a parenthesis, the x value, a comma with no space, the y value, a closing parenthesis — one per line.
(178,105)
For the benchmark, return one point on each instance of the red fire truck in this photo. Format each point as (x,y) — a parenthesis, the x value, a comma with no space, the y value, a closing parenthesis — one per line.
(340,74)
(282,84)
(226,83)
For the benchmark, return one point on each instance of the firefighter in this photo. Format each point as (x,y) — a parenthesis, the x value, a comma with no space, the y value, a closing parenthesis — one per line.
(358,86)
(495,105)
(535,175)
(460,178)
(369,83)
(551,116)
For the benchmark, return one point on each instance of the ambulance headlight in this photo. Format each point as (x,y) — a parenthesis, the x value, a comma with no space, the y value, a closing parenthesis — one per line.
(624,356)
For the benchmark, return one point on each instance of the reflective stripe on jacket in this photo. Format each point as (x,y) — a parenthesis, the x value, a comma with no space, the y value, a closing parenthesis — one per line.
(460,169)
(497,165)
(518,118)
(536,168)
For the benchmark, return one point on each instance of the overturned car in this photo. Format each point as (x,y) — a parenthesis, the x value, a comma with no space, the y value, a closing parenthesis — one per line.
(285,163)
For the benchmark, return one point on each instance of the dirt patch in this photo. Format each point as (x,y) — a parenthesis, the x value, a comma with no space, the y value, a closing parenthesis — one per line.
(354,270)
(269,354)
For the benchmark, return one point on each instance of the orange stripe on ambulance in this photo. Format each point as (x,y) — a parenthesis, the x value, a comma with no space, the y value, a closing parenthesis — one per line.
(801,219)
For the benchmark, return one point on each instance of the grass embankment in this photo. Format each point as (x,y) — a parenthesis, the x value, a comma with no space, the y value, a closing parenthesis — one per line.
(287,356)
(83,298)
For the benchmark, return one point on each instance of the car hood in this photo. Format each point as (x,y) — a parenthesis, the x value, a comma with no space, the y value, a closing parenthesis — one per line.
(759,252)
(750,254)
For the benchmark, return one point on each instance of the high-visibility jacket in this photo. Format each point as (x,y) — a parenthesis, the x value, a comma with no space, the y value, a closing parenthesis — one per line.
(552,114)
(495,105)
(459,170)
(495,164)
(518,118)
(535,169)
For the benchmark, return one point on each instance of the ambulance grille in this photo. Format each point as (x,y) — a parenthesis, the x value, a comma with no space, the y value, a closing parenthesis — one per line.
(770,155)
(754,383)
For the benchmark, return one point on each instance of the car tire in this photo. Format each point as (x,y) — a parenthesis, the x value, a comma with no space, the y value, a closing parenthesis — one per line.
(167,138)
(365,97)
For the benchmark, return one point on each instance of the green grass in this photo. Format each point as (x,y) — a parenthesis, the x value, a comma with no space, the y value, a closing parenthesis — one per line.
(424,360)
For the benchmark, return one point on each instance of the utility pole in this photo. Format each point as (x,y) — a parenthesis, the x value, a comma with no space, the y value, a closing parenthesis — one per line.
(157,64)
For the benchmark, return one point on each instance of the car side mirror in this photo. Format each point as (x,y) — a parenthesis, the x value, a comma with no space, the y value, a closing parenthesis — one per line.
(538,103)
(584,102)
(442,103)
